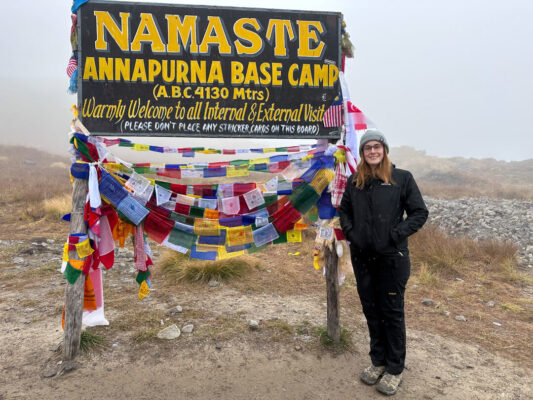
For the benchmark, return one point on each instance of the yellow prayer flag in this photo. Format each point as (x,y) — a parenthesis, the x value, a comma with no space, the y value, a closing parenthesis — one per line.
(223,254)
(316,262)
(269,150)
(237,170)
(141,147)
(263,160)
(294,236)
(143,290)
(206,227)
(84,249)
(65,257)
(322,179)
(239,235)
(207,247)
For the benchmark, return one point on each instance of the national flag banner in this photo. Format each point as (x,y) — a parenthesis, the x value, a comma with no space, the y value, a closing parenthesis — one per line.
(72,66)
(333,115)
(360,120)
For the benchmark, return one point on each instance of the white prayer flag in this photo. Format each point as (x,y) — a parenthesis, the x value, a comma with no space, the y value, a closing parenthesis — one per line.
(137,183)
(231,205)
(326,233)
(254,198)
(162,195)
(207,203)
(271,185)
(94,191)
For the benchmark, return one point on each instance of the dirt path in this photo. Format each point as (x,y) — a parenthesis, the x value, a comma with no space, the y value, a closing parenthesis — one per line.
(235,364)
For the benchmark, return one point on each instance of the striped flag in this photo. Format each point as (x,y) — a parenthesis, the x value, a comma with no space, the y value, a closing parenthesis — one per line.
(361,122)
(72,66)
(333,115)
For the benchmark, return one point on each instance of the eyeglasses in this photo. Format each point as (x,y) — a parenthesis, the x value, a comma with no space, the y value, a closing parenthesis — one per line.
(375,147)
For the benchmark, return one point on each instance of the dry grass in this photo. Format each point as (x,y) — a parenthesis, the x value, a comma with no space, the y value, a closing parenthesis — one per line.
(28,176)
(179,267)
(58,206)
(461,276)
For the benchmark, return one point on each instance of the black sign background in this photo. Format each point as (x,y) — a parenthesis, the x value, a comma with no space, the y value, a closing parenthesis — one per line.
(93,93)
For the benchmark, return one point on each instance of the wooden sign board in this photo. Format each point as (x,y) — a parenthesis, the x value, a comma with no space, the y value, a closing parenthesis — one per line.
(149,69)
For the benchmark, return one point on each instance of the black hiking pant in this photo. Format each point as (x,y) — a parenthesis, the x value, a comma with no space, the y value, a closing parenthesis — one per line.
(381,284)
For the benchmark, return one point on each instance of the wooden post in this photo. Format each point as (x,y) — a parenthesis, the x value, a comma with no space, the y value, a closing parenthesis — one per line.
(74,293)
(332,288)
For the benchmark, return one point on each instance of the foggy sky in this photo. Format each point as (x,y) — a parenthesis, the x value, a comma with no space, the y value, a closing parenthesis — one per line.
(450,77)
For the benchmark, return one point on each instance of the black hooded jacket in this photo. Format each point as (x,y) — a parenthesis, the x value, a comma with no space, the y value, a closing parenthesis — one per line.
(372,218)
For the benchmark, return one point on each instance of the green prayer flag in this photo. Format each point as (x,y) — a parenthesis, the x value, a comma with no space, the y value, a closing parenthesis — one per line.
(142,276)
(165,185)
(281,239)
(196,212)
(71,274)
(181,238)
(255,249)
(304,198)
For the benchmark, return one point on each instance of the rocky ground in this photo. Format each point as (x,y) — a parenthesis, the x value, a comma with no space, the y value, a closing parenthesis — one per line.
(217,352)
(485,218)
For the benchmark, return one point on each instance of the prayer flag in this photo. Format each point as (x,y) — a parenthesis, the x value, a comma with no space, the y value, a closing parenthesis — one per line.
(294,236)
(264,235)
(162,195)
(132,210)
(254,198)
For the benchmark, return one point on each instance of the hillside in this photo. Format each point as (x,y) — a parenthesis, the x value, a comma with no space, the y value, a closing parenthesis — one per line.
(459,177)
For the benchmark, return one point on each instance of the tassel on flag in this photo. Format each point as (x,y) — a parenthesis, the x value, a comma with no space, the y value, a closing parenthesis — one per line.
(333,115)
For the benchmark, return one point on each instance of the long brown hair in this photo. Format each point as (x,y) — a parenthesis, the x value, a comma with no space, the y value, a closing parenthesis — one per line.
(382,171)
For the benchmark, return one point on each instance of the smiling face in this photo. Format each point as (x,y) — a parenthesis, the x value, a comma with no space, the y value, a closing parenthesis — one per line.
(373,153)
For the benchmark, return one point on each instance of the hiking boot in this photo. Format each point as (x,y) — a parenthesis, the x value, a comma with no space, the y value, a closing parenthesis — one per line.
(371,374)
(389,384)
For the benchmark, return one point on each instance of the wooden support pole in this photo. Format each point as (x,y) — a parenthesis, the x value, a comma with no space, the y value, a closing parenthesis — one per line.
(332,288)
(74,293)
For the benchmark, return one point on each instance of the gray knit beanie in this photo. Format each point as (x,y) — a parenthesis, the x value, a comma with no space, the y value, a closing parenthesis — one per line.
(373,134)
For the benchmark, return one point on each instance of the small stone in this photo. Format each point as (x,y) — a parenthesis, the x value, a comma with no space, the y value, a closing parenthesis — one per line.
(497,323)
(169,333)
(68,366)
(218,347)
(18,260)
(428,302)
(50,372)
(298,348)
(413,287)
(253,325)
(459,280)
(214,283)
(187,328)
(461,318)
(174,310)
(446,313)
(114,345)
(490,303)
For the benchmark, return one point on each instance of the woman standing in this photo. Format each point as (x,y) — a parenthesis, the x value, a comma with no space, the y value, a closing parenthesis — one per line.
(372,219)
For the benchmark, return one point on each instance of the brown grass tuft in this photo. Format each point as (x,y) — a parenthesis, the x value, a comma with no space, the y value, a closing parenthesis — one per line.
(178,267)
